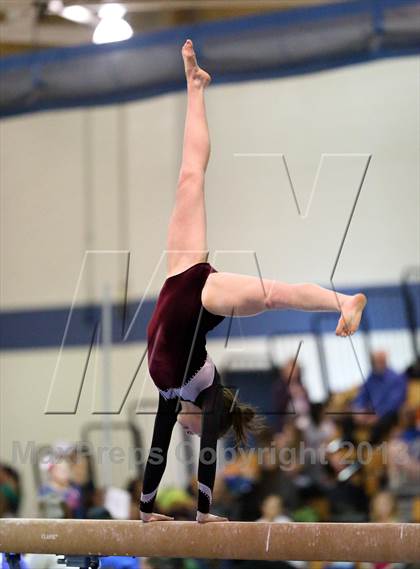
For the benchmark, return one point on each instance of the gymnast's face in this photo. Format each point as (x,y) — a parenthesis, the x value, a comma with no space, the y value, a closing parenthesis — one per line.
(190,418)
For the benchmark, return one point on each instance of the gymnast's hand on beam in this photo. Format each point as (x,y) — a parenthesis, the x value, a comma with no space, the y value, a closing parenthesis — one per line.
(206,518)
(146,518)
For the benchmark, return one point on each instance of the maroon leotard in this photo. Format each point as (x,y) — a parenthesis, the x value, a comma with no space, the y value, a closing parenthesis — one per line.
(176,334)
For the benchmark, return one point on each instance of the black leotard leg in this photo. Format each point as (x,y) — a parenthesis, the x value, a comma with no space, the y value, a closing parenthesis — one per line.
(212,408)
(156,463)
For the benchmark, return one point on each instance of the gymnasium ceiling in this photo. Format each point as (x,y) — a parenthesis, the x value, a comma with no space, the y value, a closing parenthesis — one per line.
(26,24)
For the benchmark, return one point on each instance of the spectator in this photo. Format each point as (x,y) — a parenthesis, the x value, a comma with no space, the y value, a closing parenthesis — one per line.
(383,508)
(404,449)
(278,469)
(383,394)
(81,476)
(10,491)
(272,510)
(59,498)
(289,393)
(317,430)
(404,460)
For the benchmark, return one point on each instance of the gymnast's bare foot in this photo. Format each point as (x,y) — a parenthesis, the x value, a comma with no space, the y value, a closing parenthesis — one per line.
(196,76)
(209,518)
(147,518)
(351,313)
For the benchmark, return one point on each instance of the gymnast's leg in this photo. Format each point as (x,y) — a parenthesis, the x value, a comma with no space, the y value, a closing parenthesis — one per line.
(187,243)
(242,295)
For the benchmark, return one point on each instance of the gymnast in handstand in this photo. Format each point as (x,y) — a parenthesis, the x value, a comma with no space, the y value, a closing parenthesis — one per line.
(194,299)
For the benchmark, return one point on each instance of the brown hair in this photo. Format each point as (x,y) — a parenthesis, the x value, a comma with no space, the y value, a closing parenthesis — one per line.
(242,418)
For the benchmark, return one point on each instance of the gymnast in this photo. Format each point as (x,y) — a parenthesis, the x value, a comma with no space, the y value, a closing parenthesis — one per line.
(194,299)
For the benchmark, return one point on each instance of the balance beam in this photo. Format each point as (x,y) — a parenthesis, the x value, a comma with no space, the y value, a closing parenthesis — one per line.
(231,540)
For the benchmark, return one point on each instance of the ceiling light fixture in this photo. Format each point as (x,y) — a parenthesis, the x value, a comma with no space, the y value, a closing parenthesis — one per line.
(116,11)
(112,26)
(76,13)
(55,6)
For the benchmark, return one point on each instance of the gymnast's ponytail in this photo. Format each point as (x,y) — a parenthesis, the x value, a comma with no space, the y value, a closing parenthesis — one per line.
(242,418)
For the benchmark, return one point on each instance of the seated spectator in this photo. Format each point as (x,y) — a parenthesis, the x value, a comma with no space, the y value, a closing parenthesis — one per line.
(278,468)
(340,406)
(382,394)
(10,491)
(58,497)
(81,476)
(404,460)
(383,508)
(272,510)
(404,449)
(289,393)
(317,430)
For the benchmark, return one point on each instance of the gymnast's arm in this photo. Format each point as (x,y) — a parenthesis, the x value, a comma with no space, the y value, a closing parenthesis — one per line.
(156,463)
(212,406)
